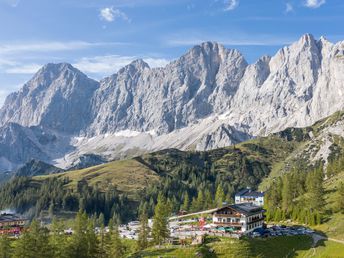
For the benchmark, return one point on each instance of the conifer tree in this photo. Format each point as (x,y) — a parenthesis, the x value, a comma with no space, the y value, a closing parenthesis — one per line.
(91,238)
(142,242)
(287,194)
(34,243)
(219,196)
(79,245)
(58,240)
(160,221)
(200,201)
(102,238)
(186,202)
(5,247)
(339,203)
(117,248)
(315,190)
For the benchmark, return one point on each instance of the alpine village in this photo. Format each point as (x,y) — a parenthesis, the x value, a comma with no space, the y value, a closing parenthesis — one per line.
(171,129)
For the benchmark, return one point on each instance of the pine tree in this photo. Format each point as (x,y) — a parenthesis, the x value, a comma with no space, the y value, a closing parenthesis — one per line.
(34,243)
(200,201)
(286,193)
(208,200)
(142,242)
(186,202)
(58,240)
(160,221)
(219,196)
(102,237)
(5,247)
(79,245)
(339,203)
(315,190)
(91,239)
(117,248)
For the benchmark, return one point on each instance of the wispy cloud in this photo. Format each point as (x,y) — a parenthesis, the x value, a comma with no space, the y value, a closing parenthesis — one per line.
(12,3)
(23,69)
(50,46)
(110,14)
(314,3)
(289,8)
(231,4)
(105,65)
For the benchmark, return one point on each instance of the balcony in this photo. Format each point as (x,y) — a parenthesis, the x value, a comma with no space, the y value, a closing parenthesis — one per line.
(233,224)
(255,220)
(219,215)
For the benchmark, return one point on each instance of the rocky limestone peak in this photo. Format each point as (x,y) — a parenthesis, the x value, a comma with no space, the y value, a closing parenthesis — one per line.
(136,65)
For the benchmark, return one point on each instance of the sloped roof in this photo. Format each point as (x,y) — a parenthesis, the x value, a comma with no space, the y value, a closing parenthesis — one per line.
(10,217)
(249,193)
(243,208)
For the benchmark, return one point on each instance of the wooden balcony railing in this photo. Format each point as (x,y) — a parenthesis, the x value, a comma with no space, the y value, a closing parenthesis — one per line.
(237,224)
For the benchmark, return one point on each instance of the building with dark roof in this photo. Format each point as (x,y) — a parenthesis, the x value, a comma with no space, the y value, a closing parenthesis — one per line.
(238,218)
(249,196)
(11,224)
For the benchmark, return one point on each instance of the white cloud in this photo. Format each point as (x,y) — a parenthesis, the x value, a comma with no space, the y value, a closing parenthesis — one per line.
(111,14)
(289,8)
(314,3)
(50,46)
(12,3)
(231,4)
(23,69)
(105,65)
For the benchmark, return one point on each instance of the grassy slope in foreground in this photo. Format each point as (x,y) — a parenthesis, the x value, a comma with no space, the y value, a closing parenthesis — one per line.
(334,223)
(293,246)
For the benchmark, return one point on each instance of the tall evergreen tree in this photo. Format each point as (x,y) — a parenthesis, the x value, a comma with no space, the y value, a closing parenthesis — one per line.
(287,194)
(160,221)
(34,243)
(79,245)
(5,247)
(339,203)
(117,248)
(315,190)
(186,202)
(142,242)
(219,196)
(58,240)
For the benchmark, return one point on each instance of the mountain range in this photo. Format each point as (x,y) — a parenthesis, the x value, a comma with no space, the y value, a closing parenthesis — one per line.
(208,98)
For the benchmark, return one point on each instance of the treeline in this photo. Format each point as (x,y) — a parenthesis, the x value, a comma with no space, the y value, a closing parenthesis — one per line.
(31,198)
(190,181)
(299,195)
(85,242)
(193,181)
(52,242)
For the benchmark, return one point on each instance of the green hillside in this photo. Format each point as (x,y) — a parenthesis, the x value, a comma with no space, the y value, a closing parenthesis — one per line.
(255,163)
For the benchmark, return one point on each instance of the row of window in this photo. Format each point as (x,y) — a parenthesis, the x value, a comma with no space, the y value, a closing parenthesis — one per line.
(254,225)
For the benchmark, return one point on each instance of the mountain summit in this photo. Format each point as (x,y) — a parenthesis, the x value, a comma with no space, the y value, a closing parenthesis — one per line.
(210,97)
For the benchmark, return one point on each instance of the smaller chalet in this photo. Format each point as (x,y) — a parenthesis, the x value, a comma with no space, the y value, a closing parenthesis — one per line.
(11,224)
(249,196)
(238,218)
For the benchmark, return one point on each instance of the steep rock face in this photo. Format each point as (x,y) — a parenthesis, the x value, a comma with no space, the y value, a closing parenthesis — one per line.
(304,83)
(164,99)
(208,98)
(57,97)
(18,145)
(36,168)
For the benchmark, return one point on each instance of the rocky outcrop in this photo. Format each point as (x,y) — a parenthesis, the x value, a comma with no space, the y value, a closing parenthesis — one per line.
(208,98)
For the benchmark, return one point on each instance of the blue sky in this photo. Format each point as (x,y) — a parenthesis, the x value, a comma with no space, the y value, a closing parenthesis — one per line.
(100,36)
